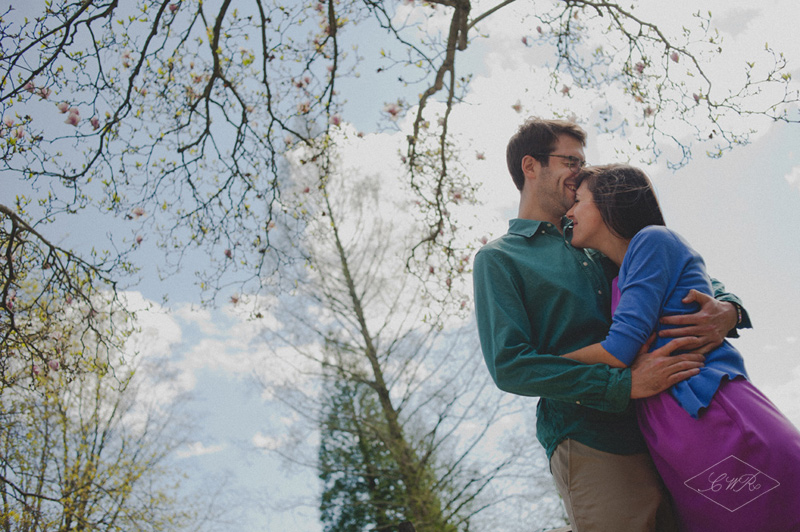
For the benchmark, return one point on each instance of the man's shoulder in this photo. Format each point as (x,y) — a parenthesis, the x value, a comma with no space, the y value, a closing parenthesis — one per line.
(510,246)
(499,249)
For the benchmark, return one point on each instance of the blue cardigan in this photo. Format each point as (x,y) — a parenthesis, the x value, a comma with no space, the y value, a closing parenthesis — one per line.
(657,272)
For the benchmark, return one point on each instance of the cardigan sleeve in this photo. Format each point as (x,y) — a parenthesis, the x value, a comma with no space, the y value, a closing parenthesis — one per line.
(649,273)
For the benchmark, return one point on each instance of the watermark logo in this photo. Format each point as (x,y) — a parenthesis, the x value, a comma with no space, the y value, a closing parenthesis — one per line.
(732,483)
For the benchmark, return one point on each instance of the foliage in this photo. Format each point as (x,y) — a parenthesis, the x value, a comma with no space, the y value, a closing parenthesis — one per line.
(406,411)
(178,113)
(361,484)
(57,311)
(78,456)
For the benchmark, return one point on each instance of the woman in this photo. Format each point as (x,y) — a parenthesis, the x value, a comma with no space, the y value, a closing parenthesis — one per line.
(729,458)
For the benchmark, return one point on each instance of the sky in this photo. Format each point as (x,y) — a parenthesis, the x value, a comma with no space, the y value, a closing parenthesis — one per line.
(741,212)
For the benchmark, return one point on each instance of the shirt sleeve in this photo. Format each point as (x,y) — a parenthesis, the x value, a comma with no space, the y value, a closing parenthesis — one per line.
(722,295)
(514,363)
(646,278)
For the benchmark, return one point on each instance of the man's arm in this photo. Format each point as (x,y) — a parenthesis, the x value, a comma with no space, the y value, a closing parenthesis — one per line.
(654,372)
(718,317)
(513,362)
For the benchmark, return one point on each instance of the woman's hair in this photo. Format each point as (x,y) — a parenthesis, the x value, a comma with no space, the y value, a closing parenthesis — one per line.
(624,196)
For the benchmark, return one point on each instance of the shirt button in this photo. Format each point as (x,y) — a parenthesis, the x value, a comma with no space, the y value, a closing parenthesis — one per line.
(600,292)
(585,263)
(577,402)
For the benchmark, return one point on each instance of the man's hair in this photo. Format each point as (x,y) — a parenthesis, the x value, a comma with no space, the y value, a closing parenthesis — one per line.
(624,196)
(537,137)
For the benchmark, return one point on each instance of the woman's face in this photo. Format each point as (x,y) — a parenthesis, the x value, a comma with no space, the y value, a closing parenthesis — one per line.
(588,228)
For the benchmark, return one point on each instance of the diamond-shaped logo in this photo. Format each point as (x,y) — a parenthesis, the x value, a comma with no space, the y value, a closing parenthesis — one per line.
(732,483)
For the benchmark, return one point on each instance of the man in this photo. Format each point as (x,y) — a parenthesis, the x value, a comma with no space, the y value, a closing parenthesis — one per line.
(537,297)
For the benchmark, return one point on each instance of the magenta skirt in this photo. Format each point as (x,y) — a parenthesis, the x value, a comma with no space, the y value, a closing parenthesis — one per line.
(734,468)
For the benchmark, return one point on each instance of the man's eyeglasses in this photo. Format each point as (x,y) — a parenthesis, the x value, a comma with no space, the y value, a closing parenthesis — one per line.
(573,163)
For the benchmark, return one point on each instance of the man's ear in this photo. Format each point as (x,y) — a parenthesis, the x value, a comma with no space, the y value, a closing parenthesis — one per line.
(530,166)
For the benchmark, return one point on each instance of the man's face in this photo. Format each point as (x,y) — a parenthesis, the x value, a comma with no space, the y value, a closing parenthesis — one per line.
(556,187)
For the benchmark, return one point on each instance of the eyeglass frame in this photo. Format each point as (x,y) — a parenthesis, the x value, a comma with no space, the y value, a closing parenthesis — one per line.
(573,161)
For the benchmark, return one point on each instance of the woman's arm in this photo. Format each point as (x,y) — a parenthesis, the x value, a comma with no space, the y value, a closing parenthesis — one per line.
(595,354)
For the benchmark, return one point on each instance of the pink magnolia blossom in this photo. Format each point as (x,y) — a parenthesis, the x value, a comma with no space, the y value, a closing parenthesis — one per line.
(228,253)
(304,107)
(8,121)
(54,365)
(525,41)
(393,109)
(639,67)
(517,106)
(44,93)
(72,119)
(648,111)
(69,300)
(539,29)
(19,132)
(480,156)
(35,369)
(674,56)
(173,8)
(696,97)
(63,107)
(30,87)
(336,120)
(139,239)
(234,299)
(484,240)
(95,123)
(137,212)
(564,90)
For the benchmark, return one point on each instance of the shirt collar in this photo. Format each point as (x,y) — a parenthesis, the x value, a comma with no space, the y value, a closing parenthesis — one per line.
(528,228)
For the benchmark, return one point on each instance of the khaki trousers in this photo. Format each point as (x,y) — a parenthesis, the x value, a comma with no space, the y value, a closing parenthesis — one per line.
(606,492)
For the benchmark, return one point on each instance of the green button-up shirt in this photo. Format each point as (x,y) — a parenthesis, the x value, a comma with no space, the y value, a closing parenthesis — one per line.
(537,297)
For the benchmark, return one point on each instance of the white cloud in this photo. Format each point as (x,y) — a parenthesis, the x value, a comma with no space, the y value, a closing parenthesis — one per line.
(199,449)
(267,442)
(786,396)
(793,177)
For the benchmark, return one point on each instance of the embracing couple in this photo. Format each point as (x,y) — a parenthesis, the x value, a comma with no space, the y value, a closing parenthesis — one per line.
(646,413)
